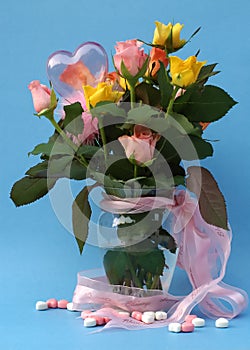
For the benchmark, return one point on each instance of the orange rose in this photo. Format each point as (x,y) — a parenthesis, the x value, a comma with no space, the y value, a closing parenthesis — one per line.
(118,82)
(204,125)
(157,55)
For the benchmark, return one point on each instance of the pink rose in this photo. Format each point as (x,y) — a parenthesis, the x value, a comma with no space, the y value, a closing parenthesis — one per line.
(131,54)
(40,95)
(141,144)
(90,125)
(76,96)
(90,130)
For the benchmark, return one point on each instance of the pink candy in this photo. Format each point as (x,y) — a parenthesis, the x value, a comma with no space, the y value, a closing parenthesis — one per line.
(106,319)
(187,327)
(190,318)
(52,303)
(62,304)
(100,321)
(85,314)
(137,315)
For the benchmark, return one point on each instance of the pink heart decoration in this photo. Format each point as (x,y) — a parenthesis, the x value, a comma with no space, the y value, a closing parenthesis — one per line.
(67,71)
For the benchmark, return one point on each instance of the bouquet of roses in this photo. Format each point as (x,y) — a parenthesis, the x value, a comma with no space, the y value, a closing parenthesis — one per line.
(130,131)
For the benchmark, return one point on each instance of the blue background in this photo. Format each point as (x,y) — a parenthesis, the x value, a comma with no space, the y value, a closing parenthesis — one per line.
(38,257)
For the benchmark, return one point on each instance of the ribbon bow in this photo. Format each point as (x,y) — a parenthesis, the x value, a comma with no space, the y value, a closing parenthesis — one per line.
(203,253)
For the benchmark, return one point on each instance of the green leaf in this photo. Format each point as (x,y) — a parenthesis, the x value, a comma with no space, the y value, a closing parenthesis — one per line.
(206,105)
(73,122)
(211,201)
(112,128)
(49,112)
(38,170)
(81,212)
(53,99)
(178,146)
(201,149)
(183,124)
(133,268)
(75,127)
(87,150)
(29,189)
(195,32)
(126,74)
(149,117)
(132,79)
(206,72)
(159,124)
(119,168)
(165,185)
(77,170)
(54,167)
(58,167)
(165,86)
(106,107)
(42,148)
(55,146)
(116,266)
(72,111)
(112,187)
(147,94)
(152,261)
(141,113)
(143,69)
(167,150)
(181,101)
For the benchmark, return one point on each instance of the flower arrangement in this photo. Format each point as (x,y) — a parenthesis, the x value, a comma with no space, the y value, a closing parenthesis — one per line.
(132,132)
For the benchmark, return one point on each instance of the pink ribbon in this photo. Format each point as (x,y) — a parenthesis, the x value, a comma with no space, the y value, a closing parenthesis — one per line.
(203,253)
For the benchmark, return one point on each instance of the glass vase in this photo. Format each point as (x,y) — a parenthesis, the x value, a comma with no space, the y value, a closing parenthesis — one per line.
(139,254)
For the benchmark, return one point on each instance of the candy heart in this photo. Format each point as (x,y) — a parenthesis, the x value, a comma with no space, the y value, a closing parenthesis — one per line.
(67,71)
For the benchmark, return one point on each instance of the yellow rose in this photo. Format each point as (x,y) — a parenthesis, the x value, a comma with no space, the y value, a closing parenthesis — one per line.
(184,72)
(103,92)
(168,36)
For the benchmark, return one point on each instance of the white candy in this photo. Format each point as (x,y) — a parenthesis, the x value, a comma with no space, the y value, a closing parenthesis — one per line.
(198,322)
(174,327)
(89,322)
(148,317)
(70,307)
(160,315)
(149,313)
(41,305)
(221,323)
